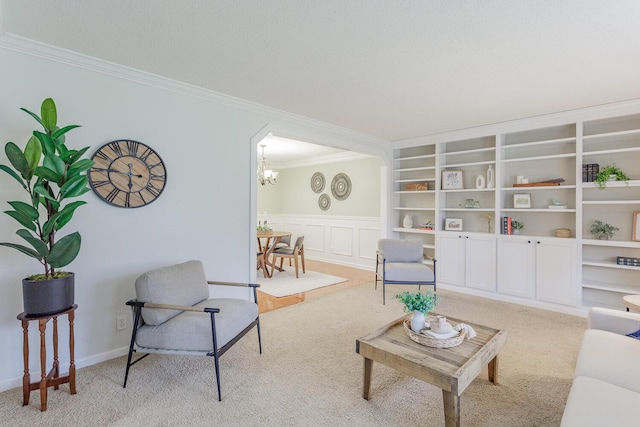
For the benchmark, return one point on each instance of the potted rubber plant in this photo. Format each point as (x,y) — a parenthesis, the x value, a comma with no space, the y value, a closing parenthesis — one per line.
(50,174)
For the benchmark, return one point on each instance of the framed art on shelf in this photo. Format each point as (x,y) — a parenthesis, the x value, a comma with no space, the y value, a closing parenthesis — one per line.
(635,233)
(453,224)
(452,180)
(522,201)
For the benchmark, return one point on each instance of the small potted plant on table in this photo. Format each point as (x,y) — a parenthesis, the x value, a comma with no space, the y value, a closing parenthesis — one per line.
(420,304)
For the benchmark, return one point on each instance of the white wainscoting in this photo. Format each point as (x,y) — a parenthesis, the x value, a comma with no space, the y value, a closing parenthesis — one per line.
(344,240)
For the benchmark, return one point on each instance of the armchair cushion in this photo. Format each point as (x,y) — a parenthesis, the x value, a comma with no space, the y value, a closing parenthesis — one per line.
(180,284)
(401,250)
(407,272)
(191,331)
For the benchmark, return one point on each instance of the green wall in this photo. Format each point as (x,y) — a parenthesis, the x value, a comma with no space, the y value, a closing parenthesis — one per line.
(293,194)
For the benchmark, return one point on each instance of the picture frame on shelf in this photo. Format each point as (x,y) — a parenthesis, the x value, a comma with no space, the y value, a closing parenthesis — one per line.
(452,180)
(635,233)
(522,201)
(453,224)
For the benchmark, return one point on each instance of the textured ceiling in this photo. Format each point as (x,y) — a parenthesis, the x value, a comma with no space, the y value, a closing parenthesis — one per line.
(389,68)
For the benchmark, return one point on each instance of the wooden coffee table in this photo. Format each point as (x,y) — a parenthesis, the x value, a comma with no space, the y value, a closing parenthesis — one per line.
(451,369)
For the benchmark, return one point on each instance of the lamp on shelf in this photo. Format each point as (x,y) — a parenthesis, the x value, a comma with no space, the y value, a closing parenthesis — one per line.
(265,175)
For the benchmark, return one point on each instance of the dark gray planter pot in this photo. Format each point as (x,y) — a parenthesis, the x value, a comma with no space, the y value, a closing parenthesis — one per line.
(48,296)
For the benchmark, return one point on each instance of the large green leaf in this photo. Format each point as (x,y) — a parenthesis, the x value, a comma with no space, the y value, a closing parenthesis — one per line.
(59,132)
(22,219)
(26,210)
(54,163)
(41,190)
(16,157)
(79,167)
(65,250)
(48,146)
(72,156)
(35,116)
(74,187)
(17,177)
(65,215)
(48,174)
(33,152)
(40,246)
(23,249)
(49,114)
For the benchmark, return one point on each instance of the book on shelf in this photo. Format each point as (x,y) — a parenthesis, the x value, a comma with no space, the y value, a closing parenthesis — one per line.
(590,171)
(622,260)
(506,225)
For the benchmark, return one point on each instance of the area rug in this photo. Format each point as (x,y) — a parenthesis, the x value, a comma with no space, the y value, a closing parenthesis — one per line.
(284,283)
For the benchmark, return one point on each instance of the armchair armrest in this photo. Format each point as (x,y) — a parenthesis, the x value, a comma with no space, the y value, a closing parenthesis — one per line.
(173,307)
(245,285)
(619,322)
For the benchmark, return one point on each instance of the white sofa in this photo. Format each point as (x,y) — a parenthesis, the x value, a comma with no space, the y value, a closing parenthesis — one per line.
(606,383)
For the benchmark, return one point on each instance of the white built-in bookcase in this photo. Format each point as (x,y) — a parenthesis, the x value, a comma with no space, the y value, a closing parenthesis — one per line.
(535,266)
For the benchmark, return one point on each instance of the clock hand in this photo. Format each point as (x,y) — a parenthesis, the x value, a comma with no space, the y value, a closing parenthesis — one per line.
(130,174)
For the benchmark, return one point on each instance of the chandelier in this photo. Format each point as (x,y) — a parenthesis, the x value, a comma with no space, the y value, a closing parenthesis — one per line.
(265,175)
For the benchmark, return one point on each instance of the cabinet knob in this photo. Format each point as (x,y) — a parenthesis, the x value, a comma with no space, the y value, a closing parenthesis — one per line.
(528,241)
(538,242)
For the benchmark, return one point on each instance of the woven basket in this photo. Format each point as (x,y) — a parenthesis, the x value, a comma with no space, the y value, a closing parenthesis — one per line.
(430,341)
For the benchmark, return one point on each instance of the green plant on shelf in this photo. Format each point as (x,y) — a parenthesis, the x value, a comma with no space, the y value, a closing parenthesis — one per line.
(517,225)
(610,173)
(603,230)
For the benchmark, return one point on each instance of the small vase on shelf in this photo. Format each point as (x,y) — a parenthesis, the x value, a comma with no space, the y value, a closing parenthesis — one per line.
(490,177)
(407,222)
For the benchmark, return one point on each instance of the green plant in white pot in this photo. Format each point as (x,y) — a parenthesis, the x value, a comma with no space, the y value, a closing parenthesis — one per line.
(603,230)
(420,304)
(50,173)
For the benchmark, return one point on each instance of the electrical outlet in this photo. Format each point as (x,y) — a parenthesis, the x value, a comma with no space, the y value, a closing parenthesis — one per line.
(121,322)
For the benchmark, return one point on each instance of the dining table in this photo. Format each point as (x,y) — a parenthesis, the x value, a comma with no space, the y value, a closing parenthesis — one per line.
(267,242)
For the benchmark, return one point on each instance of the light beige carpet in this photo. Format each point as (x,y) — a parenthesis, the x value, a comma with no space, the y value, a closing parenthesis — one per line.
(310,375)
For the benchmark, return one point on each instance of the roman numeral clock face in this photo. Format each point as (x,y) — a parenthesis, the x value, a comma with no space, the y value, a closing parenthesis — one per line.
(127,174)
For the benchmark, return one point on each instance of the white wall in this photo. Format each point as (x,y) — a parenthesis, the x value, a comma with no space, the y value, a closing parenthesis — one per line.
(208,203)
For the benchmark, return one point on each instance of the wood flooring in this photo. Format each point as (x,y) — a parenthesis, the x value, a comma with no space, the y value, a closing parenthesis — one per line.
(354,276)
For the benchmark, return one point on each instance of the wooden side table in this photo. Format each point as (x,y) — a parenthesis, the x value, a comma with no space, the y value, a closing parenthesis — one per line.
(53,378)
(632,302)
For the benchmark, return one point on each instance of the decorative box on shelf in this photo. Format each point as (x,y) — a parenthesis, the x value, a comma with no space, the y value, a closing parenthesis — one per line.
(416,186)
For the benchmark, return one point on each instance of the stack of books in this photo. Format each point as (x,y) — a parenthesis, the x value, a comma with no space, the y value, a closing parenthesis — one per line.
(506,225)
(590,172)
(623,260)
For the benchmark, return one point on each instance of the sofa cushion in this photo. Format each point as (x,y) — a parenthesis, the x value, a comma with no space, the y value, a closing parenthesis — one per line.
(407,272)
(180,284)
(593,402)
(401,250)
(192,330)
(610,357)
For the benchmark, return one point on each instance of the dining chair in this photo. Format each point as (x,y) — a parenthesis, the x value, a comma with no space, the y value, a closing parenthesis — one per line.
(297,252)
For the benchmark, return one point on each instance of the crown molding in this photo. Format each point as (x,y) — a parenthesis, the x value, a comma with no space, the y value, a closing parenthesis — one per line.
(52,53)
(320,160)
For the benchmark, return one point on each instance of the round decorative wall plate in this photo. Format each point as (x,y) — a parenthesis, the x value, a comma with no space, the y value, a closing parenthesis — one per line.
(341,186)
(324,202)
(127,174)
(317,182)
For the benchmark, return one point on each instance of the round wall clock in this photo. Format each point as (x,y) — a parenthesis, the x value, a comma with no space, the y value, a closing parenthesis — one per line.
(127,174)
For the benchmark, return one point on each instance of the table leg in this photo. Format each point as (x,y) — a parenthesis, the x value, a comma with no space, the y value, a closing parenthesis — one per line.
(56,362)
(42,325)
(451,409)
(366,387)
(493,370)
(26,378)
(72,363)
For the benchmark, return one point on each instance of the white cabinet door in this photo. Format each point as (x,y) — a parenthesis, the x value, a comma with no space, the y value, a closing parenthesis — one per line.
(450,256)
(480,262)
(516,267)
(467,260)
(556,271)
